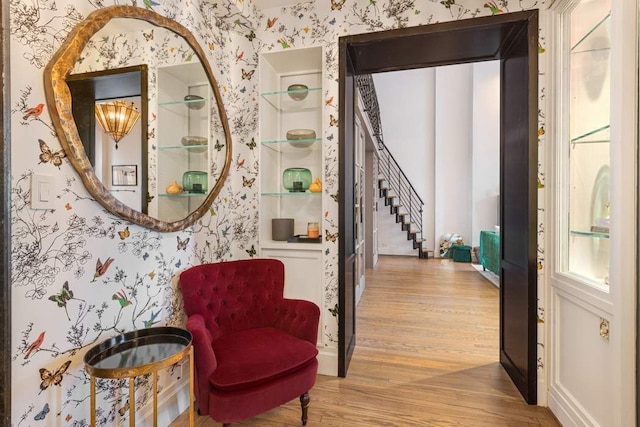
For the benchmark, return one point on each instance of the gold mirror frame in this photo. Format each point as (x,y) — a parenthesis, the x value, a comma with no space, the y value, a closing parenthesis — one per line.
(58,97)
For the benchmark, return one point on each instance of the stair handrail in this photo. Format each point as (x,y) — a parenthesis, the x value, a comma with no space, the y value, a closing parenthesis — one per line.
(399,182)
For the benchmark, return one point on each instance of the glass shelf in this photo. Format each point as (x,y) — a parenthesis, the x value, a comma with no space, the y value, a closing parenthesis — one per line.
(183,195)
(182,147)
(596,39)
(292,193)
(596,136)
(285,145)
(282,100)
(183,102)
(594,234)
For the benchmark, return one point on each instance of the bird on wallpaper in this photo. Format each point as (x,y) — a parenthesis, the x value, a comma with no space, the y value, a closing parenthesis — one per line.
(33,112)
(101,268)
(152,321)
(284,43)
(150,3)
(122,299)
(271,22)
(493,7)
(35,345)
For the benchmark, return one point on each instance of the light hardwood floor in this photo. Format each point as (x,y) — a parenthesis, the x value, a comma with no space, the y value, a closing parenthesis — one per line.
(426,355)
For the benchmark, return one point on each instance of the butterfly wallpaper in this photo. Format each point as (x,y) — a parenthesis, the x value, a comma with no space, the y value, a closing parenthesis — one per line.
(79,274)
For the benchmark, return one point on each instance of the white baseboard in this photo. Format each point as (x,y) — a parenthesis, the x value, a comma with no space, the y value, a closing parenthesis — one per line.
(172,401)
(569,412)
(328,361)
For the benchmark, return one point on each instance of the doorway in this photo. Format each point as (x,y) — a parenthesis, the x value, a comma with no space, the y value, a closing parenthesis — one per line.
(511,39)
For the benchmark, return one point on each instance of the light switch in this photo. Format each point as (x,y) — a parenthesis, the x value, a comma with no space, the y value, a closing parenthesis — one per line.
(42,191)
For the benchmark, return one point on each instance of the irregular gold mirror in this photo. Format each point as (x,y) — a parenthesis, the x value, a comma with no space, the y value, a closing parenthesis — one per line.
(169,167)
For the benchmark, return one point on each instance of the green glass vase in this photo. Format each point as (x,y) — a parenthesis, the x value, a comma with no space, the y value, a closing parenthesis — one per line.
(296,180)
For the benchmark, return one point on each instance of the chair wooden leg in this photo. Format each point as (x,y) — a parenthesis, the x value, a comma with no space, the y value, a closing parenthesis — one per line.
(304,402)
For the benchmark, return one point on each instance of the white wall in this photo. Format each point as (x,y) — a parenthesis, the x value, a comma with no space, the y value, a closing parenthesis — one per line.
(485,148)
(442,126)
(409,133)
(454,109)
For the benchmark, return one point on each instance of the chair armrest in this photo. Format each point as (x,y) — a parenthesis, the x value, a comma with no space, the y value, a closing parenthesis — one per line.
(299,318)
(205,360)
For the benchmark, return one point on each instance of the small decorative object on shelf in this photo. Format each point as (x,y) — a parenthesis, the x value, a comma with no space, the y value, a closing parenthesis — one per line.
(174,188)
(194,102)
(188,141)
(313,230)
(298,92)
(316,186)
(296,180)
(195,181)
(281,228)
(301,138)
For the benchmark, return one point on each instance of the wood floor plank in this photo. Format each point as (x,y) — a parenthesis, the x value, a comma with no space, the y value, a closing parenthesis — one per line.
(427,355)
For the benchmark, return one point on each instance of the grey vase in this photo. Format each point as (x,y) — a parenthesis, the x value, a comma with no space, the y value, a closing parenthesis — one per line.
(281,228)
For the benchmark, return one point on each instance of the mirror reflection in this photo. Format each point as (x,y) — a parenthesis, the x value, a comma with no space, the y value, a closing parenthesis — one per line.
(172,162)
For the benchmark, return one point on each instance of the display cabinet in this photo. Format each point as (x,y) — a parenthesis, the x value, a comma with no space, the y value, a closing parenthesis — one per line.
(291,145)
(587,116)
(183,134)
(291,176)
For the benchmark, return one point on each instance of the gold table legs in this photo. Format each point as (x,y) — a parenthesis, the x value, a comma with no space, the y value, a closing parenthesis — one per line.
(132,396)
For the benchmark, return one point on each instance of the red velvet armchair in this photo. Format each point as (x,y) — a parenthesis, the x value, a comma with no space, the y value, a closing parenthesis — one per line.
(254,349)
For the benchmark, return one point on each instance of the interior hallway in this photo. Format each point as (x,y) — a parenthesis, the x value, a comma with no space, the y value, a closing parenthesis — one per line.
(426,355)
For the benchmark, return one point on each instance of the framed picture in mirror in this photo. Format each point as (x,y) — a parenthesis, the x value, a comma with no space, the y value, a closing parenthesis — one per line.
(124,175)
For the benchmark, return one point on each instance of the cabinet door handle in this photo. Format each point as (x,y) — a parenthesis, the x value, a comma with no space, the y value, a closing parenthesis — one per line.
(604,328)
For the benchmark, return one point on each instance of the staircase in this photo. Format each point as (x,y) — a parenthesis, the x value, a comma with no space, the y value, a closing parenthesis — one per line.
(394,186)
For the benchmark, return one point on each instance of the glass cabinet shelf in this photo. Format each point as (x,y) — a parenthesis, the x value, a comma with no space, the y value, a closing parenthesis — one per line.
(183,147)
(596,136)
(594,234)
(286,145)
(596,39)
(292,193)
(183,195)
(183,102)
(282,100)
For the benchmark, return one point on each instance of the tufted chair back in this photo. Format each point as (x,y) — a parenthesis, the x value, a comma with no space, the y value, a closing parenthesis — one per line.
(235,295)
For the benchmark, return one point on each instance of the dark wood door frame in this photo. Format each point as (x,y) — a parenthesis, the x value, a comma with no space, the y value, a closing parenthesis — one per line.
(513,39)
(5,220)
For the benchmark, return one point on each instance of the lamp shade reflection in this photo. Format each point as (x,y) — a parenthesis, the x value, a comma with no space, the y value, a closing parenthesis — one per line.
(116,118)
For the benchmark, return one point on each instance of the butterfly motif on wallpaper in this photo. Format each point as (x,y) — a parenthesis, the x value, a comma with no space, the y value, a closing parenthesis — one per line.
(330,237)
(218,146)
(251,35)
(148,36)
(248,182)
(124,409)
(251,251)
(53,378)
(334,196)
(65,295)
(182,244)
(48,156)
(124,233)
(333,121)
(337,5)
(42,414)
(246,75)
(252,144)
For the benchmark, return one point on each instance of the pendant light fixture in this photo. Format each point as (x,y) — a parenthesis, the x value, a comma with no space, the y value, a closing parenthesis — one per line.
(117,118)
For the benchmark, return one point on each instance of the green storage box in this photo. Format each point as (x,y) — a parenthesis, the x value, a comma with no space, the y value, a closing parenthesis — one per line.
(461,253)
